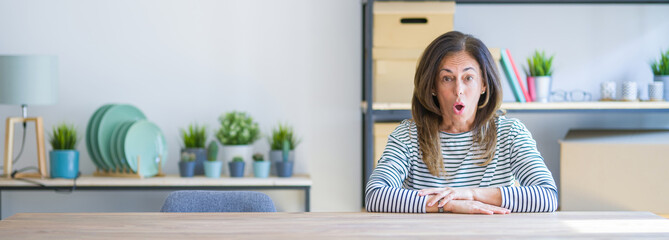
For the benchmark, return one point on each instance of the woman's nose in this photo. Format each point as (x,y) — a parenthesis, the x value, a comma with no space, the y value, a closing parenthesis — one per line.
(459,89)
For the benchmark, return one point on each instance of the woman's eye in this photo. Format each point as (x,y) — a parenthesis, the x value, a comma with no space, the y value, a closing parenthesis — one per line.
(469,78)
(448,79)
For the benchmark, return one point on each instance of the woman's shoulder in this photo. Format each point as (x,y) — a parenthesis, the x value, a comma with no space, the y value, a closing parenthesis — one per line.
(406,128)
(508,125)
(404,132)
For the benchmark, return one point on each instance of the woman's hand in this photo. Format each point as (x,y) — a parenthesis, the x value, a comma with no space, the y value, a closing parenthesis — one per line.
(474,207)
(446,194)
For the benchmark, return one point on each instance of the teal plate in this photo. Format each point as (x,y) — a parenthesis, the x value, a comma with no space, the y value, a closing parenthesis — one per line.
(90,136)
(116,115)
(144,139)
(118,131)
(120,141)
(88,131)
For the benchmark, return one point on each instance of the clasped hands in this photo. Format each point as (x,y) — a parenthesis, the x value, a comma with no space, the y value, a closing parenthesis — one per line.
(460,200)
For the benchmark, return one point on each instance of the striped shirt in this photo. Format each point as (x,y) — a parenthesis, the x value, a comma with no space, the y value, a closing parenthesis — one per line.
(401,172)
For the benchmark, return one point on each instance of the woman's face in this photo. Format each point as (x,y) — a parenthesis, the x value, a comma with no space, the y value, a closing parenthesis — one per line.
(459,86)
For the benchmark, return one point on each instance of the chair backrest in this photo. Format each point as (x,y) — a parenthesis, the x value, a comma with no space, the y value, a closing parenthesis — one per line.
(218,201)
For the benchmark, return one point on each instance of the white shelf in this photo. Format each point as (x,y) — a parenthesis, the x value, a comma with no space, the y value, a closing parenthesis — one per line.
(166,181)
(600,105)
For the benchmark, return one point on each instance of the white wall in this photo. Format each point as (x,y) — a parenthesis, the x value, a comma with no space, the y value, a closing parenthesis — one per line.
(296,61)
(186,61)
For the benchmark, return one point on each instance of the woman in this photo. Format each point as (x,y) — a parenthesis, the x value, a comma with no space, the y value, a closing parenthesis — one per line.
(457,155)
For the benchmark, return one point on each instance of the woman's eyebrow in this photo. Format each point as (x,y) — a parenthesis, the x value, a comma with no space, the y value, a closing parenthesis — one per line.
(466,69)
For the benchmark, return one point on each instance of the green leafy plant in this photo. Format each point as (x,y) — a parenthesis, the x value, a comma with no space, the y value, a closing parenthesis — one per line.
(283,132)
(187,157)
(258,157)
(212,151)
(238,159)
(661,66)
(195,136)
(237,128)
(64,137)
(539,65)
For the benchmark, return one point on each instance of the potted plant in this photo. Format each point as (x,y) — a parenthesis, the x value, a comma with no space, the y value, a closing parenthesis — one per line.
(236,166)
(260,166)
(539,71)
(64,158)
(238,131)
(187,164)
(282,144)
(661,72)
(212,167)
(195,137)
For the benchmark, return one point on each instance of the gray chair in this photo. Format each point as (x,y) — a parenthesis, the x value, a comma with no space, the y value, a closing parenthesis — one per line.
(218,201)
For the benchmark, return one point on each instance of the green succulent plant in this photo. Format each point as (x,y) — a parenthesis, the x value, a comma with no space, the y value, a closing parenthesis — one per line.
(237,128)
(238,159)
(285,152)
(187,157)
(64,137)
(283,132)
(258,157)
(539,65)
(661,66)
(195,136)
(212,151)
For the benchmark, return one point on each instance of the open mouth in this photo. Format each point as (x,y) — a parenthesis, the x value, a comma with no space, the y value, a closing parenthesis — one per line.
(459,108)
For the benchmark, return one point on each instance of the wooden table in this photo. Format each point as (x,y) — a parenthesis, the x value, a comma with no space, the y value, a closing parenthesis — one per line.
(169,182)
(588,225)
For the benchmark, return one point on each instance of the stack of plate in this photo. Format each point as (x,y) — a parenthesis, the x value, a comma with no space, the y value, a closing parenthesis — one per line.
(117,135)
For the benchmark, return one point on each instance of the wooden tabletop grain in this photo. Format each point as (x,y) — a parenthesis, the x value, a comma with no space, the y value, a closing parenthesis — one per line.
(581,225)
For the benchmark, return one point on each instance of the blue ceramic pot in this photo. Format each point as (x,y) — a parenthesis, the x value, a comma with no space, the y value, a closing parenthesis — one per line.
(186,169)
(236,169)
(261,169)
(277,156)
(64,163)
(200,158)
(284,169)
(212,169)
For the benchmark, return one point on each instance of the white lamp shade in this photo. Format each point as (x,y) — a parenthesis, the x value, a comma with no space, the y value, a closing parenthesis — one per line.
(28,79)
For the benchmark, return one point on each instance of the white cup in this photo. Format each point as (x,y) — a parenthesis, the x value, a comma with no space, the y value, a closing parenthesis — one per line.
(629,91)
(656,91)
(608,91)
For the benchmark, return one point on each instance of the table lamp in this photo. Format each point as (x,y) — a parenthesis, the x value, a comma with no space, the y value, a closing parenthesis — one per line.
(27,80)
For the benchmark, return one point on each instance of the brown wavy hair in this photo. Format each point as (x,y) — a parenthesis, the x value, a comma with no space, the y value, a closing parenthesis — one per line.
(425,107)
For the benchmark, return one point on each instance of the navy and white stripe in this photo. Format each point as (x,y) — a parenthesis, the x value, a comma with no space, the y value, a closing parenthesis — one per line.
(401,172)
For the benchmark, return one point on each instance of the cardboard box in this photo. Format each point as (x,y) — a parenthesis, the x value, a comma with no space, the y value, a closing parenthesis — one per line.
(410,24)
(615,170)
(401,32)
(381,133)
(393,72)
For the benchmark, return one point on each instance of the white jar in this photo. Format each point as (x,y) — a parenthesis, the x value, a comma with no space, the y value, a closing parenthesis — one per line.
(629,91)
(608,91)
(656,91)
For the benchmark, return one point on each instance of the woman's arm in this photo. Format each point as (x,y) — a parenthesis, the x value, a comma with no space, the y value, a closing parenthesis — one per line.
(384,192)
(491,196)
(537,192)
(465,206)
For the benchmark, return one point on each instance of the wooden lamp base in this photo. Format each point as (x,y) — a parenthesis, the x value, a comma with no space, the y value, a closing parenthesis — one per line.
(9,147)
